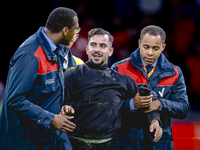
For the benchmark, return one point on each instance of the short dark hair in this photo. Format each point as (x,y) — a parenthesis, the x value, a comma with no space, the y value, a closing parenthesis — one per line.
(59,18)
(100,31)
(153,30)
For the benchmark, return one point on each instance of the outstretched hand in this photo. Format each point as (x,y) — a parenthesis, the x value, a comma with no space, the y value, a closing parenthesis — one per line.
(154,127)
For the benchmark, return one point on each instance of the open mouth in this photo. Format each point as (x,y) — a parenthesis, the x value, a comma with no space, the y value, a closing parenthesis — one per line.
(97,56)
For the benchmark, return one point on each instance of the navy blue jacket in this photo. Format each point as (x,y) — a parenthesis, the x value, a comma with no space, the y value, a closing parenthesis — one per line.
(168,83)
(34,94)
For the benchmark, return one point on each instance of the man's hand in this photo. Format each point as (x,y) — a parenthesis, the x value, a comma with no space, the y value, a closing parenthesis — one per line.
(142,101)
(62,123)
(155,105)
(154,127)
(67,110)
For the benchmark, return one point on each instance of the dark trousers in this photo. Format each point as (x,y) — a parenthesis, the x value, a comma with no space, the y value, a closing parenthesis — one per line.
(80,145)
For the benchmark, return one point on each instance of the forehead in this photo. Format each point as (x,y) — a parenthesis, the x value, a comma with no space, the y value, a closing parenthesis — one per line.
(151,39)
(100,39)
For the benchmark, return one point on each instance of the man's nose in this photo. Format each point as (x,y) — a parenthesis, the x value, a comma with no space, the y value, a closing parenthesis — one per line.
(97,49)
(150,51)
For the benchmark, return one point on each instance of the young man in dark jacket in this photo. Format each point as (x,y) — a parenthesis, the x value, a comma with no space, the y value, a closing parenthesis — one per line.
(34,91)
(96,94)
(167,82)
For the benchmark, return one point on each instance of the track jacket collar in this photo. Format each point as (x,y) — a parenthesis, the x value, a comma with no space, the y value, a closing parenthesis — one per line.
(44,44)
(51,44)
(62,50)
(91,65)
(163,63)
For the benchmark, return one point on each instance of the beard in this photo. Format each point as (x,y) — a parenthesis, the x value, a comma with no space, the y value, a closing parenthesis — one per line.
(99,62)
(64,42)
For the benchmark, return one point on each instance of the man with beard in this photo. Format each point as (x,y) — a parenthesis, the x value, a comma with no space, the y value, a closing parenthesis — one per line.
(34,91)
(95,93)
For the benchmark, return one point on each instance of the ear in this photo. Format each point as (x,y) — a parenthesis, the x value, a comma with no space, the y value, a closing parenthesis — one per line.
(111,51)
(139,42)
(163,47)
(77,35)
(86,48)
(65,31)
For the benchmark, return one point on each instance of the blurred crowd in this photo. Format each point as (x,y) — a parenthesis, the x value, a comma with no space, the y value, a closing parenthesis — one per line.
(124,19)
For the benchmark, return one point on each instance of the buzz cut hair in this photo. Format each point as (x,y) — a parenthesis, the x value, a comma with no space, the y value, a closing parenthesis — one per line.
(59,18)
(100,31)
(153,31)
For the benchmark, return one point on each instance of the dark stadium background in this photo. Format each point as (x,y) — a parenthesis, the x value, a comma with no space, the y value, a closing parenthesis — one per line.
(124,19)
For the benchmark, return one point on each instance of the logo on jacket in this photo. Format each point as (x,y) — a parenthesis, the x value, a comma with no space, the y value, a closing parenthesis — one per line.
(162,92)
(49,81)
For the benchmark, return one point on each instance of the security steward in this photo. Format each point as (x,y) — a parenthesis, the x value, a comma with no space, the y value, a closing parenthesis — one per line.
(149,67)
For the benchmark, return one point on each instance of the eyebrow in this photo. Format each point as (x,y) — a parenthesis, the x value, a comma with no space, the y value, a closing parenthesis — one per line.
(103,44)
(156,47)
(93,43)
(146,45)
(153,46)
(99,43)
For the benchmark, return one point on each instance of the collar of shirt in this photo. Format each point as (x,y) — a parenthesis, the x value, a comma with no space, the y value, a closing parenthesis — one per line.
(153,65)
(94,66)
(52,45)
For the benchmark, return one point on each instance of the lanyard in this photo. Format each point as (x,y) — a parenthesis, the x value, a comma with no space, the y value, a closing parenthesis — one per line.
(151,72)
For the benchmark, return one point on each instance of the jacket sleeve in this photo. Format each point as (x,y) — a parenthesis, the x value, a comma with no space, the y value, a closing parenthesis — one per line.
(132,87)
(132,90)
(177,105)
(153,115)
(22,73)
(69,78)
